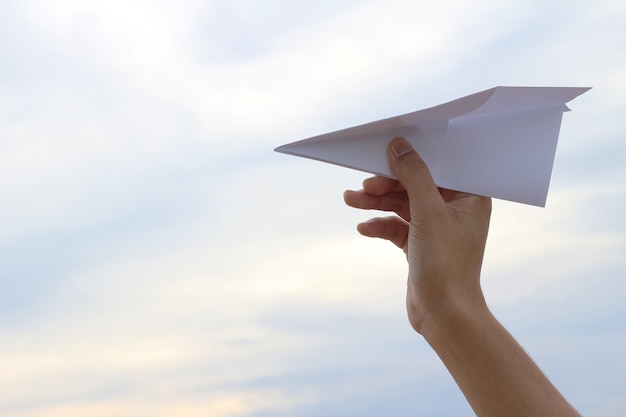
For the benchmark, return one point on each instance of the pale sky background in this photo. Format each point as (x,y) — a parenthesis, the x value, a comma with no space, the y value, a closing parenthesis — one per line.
(157,258)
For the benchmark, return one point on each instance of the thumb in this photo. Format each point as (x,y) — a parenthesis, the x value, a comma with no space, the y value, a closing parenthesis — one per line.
(413,174)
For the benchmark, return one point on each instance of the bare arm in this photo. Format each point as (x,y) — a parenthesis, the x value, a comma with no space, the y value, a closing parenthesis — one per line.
(443,234)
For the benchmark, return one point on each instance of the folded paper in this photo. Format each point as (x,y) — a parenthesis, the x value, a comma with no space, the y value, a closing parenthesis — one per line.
(498,143)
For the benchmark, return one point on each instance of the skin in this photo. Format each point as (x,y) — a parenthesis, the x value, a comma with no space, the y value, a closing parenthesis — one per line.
(443,234)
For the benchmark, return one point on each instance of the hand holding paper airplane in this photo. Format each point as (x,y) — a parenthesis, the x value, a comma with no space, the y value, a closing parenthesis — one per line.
(498,143)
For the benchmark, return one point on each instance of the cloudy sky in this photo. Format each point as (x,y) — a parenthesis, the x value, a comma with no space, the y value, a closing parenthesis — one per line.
(157,258)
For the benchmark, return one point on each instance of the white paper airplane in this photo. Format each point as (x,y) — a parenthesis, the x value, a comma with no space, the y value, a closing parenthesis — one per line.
(498,143)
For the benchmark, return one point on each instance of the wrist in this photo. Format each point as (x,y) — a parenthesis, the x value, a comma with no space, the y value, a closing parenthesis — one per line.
(448,316)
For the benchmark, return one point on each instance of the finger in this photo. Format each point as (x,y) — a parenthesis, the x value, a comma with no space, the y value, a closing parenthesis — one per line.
(392,229)
(380,185)
(413,174)
(397,202)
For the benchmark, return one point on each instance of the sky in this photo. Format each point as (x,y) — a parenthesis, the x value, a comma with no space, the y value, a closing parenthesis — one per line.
(157,258)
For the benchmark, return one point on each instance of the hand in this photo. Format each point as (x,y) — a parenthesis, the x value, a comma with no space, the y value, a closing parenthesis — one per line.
(442,232)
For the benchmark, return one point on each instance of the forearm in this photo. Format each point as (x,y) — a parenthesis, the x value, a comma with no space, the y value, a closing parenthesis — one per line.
(496,375)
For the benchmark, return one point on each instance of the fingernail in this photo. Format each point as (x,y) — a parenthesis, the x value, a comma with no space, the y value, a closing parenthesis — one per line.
(400,147)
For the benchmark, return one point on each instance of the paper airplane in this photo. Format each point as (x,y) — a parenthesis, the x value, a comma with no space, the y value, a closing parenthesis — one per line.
(498,143)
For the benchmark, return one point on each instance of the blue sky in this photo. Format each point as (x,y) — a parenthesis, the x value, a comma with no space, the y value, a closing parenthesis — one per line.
(158,259)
